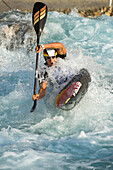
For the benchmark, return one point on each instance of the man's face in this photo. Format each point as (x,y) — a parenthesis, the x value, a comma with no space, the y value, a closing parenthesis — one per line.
(51,60)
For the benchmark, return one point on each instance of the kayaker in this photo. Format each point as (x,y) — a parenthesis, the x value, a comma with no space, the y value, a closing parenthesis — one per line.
(51,52)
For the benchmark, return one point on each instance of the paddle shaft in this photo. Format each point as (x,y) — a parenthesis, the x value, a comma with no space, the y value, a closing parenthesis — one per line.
(36,71)
(36,77)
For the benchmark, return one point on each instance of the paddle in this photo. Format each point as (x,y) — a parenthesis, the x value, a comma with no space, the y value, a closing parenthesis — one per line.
(38,18)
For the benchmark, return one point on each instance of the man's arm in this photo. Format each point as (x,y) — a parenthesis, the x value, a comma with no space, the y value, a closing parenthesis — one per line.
(58,46)
(42,91)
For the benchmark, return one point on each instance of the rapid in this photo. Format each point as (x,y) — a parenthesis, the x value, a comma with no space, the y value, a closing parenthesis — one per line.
(50,138)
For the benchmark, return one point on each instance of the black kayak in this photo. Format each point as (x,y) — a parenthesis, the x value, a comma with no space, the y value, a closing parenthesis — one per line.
(74,91)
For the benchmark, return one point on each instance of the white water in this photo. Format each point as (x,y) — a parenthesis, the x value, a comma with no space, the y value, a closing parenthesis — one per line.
(50,138)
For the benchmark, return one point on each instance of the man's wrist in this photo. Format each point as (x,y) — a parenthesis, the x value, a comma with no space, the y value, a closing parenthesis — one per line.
(43,46)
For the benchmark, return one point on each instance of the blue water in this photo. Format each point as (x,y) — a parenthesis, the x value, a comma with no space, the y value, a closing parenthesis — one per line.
(50,138)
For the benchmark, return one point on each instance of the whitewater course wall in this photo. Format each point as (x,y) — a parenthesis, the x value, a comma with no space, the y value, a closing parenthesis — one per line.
(86,8)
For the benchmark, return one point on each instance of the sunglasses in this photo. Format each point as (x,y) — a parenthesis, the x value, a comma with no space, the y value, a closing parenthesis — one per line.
(51,57)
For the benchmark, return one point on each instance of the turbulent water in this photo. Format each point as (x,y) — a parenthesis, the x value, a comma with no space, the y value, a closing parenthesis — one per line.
(50,138)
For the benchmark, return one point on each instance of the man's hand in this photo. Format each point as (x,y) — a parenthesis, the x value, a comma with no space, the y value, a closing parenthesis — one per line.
(35,97)
(38,49)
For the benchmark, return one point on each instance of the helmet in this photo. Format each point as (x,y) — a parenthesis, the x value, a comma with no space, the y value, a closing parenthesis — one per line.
(49,52)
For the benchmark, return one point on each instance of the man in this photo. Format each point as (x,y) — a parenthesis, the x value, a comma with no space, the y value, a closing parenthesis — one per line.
(51,52)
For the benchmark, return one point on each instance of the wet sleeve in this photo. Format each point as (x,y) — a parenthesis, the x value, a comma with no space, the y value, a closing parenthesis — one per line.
(42,76)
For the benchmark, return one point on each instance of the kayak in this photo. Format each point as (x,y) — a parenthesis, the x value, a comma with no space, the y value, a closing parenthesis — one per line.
(74,91)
